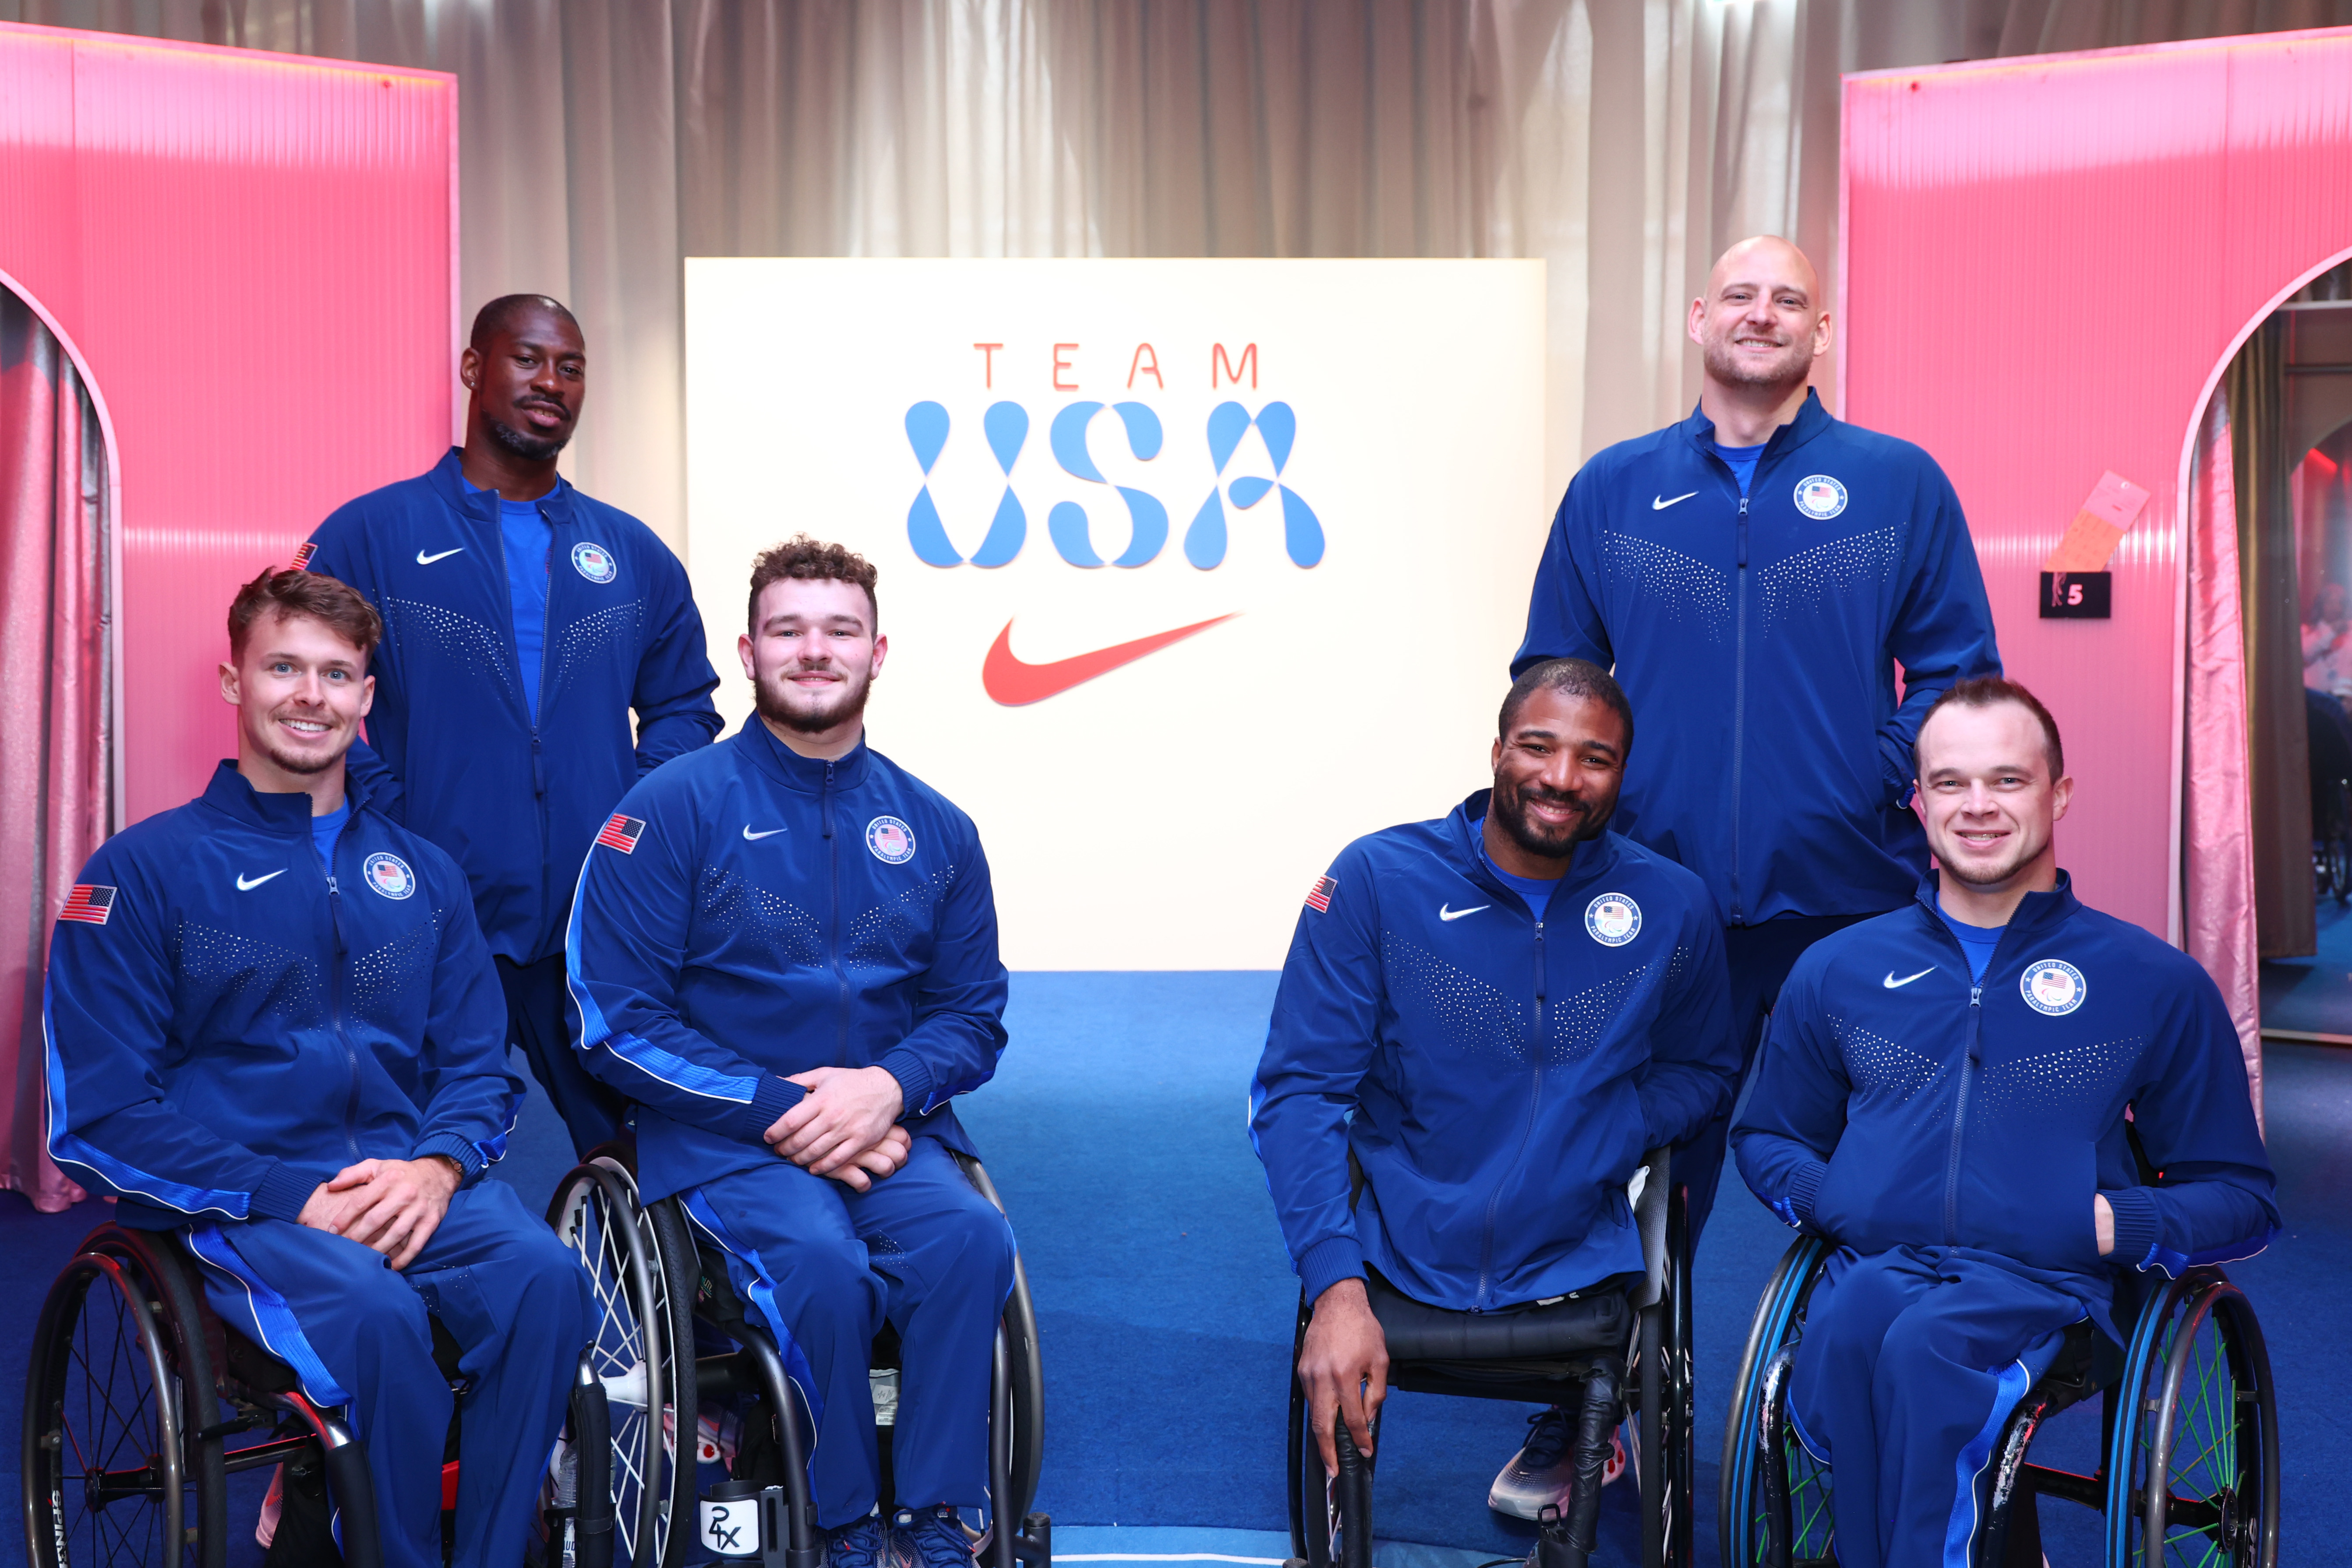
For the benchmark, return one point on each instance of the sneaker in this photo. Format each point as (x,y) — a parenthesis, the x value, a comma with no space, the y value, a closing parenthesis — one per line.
(1539,1474)
(862,1545)
(932,1538)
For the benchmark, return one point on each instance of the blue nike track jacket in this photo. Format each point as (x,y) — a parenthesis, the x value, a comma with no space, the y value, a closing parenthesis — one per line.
(749,913)
(1756,637)
(1497,1078)
(1896,1103)
(229,1023)
(458,754)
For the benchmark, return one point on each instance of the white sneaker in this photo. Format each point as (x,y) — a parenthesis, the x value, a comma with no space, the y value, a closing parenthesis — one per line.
(1541,1475)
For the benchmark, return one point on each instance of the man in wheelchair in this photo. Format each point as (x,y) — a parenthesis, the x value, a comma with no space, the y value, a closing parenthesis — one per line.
(274,1028)
(1494,1014)
(1952,1093)
(784,952)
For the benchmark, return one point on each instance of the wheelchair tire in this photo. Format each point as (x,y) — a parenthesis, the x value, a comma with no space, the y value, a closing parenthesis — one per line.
(642,1265)
(2193,1472)
(120,1386)
(1667,1415)
(1743,1524)
(1024,1375)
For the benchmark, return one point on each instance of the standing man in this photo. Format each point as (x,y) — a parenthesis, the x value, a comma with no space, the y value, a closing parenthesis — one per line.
(785,951)
(523,623)
(1755,574)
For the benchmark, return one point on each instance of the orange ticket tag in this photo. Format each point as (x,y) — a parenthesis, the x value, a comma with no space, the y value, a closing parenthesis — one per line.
(2113,506)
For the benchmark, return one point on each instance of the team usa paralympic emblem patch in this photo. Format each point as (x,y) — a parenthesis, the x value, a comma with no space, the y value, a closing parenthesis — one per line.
(892,841)
(389,874)
(621,833)
(1319,897)
(594,562)
(2053,985)
(1819,497)
(1613,920)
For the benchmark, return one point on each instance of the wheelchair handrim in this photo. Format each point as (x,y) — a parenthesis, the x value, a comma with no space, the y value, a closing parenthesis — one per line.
(623,1283)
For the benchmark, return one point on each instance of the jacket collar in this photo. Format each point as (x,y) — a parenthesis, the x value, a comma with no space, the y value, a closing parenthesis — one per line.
(1810,421)
(448,478)
(1594,859)
(2038,911)
(231,793)
(795,772)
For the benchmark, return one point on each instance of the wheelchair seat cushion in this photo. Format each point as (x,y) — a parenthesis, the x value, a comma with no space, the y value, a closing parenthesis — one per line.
(1595,1320)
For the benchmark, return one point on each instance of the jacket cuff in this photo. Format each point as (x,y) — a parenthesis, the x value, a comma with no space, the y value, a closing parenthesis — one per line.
(2139,1227)
(1327,1263)
(774,1096)
(1804,1186)
(914,1075)
(281,1193)
(457,1147)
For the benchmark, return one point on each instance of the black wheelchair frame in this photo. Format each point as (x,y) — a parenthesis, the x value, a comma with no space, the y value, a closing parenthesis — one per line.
(130,1416)
(1572,1352)
(655,1278)
(2195,1368)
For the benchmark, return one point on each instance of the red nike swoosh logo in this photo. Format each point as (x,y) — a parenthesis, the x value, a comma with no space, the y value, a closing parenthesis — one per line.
(1005,678)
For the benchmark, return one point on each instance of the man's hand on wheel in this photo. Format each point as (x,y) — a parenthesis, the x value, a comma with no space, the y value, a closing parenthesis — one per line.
(391,1206)
(2102,1223)
(845,1114)
(1344,1367)
(870,1166)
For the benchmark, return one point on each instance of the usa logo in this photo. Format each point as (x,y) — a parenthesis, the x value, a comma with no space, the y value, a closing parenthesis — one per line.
(892,841)
(1319,897)
(594,562)
(1613,920)
(621,833)
(89,903)
(303,556)
(2053,985)
(389,874)
(1819,497)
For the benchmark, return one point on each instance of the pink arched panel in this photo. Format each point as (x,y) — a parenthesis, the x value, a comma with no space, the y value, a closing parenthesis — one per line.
(254,258)
(2047,264)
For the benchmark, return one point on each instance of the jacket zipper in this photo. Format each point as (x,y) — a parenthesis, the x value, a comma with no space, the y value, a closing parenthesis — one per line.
(514,640)
(335,994)
(1738,704)
(1527,1132)
(1960,1114)
(832,946)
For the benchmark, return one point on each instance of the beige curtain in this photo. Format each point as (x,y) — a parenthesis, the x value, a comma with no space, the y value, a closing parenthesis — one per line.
(1626,141)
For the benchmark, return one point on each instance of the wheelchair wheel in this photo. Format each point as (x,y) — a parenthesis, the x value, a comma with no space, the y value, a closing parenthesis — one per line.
(2192,1474)
(1667,1415)
(121,1462)
(641,1262)
(1758,1483)
(1019,1401)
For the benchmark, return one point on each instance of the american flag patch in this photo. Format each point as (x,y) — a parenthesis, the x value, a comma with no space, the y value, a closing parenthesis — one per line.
(88,903)
(303,556)
(1319,897)
(621,834)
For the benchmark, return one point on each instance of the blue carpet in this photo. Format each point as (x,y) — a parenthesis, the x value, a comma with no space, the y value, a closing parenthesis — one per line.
(2313,995)
(1116,1134)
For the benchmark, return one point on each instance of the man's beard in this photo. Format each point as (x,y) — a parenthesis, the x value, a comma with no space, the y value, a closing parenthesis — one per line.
(294,765)
(531,448)
(1509,805)
(1993,875)
(849,702)
(1726,364)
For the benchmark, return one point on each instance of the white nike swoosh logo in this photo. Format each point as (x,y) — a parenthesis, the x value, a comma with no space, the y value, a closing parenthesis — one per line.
(1892,984)
(246,885)
(424,559)
(1446,914)
(751,837)
(1660,503)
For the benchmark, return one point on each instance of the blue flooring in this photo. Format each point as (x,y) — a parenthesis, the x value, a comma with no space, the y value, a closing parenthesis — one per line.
(1115,1133)
(2313,995)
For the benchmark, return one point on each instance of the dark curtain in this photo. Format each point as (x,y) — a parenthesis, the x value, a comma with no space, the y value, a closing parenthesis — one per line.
(2277,738)
(57,750)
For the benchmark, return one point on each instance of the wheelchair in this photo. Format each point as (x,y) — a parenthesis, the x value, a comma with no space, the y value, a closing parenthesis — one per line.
(141,1402)
(2188,1469)
(1623,1343)
(655,1284)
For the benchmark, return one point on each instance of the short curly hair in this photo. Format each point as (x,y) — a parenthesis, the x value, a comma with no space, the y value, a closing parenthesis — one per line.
(806,560)
(294,591)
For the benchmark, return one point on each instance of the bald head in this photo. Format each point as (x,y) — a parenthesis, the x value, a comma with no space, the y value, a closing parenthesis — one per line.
(1762,322)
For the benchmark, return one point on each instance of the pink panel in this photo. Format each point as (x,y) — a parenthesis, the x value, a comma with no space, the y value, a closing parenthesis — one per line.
(2047,263)
(253,256)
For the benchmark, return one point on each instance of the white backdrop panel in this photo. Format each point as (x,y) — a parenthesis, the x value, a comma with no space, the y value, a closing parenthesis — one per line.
(1168,814)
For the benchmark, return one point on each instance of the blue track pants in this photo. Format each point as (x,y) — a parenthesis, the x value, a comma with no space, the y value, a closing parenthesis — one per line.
(356,1334)
(825,1266)
(1910,1363)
